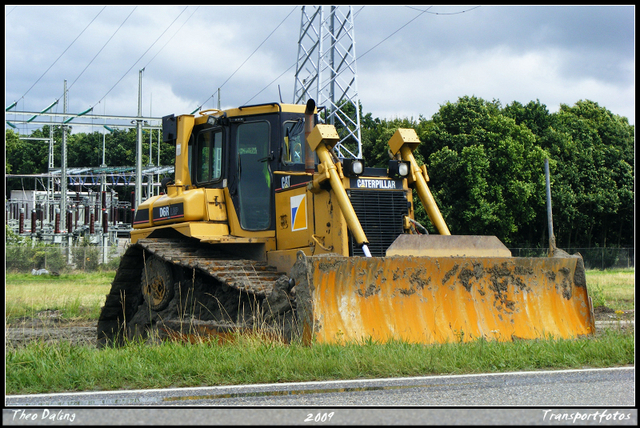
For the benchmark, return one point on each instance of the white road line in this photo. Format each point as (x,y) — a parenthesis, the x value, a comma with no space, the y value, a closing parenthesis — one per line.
(316,383)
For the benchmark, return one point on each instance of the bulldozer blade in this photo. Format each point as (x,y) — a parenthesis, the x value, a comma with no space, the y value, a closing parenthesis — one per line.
(448,245)
(440,299)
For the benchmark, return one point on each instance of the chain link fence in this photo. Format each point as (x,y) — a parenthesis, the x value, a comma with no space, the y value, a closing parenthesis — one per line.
(594,258)
(56,259)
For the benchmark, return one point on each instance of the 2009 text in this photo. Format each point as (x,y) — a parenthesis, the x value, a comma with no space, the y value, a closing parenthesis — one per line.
(319,417)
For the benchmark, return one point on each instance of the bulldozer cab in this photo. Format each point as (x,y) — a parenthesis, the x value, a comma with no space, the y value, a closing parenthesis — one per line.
(242,153)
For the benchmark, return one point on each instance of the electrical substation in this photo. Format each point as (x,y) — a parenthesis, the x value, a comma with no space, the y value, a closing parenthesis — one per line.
(85,205)
(81,205)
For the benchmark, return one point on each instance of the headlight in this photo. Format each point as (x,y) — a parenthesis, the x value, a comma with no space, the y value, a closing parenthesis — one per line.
(398,168)
(353,167)
(403,169)
(357,167)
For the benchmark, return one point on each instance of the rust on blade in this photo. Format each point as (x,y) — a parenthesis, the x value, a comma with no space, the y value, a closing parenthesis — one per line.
(443,299)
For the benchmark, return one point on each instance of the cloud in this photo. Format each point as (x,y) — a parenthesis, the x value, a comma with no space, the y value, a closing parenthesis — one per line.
(406,66)
(499,74)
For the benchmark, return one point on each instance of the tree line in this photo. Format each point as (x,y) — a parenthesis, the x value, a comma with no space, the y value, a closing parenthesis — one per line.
(486,169)
(83,149)
(485,164)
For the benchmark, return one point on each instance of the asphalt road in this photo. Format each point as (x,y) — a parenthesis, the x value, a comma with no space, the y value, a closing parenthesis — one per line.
(572,397)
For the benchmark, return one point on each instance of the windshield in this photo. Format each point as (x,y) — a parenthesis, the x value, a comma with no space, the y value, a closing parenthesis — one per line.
(293,145)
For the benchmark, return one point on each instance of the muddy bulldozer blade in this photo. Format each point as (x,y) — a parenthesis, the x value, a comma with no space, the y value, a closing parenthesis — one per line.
(441,299)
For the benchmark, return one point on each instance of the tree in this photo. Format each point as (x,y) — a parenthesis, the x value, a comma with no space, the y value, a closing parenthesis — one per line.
(25,157)
(534,115)
(376,135)
(485,163)
(593,175)
(11,142)
(83,150)
(486,171)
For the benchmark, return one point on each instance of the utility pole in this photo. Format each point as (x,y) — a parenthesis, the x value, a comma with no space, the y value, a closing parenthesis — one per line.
(150,133)
(63,172)
(552,237)
(138,187)
(50,183)
(150,164)
(326,72)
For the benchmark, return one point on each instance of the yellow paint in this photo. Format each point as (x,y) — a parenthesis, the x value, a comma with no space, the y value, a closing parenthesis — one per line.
(404,142)
(424,300)
(283,260)
(338,189)
(216,205)
(205,231)
(182,178)
(329,224)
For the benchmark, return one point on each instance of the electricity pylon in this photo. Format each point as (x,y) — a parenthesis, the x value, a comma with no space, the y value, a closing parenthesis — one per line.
(326,72)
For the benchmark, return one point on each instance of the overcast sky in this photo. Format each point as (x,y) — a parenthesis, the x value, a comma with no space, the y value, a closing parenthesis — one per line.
(409,62)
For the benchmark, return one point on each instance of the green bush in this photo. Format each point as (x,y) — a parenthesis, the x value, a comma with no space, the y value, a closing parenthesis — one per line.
(55,259)
(86,256)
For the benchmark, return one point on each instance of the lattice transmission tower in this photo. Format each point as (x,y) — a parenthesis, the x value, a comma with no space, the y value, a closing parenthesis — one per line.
(326,72)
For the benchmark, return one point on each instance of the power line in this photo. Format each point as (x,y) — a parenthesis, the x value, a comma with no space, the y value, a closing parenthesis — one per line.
(252,53)
(54,62)
(359,55)
(283,73)
(107,42)
(385,39)
(422,11)
(382,41)
(444,13)
(141,56)
(174,34)
(256,49)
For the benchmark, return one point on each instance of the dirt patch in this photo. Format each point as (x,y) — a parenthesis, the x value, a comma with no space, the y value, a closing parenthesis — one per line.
(604,313)
(49,327)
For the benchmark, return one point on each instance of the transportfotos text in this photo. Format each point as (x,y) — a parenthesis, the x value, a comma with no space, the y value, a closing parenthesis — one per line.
(596,416)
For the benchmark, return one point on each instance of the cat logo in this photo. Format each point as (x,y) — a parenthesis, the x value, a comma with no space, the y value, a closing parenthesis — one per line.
(298,212)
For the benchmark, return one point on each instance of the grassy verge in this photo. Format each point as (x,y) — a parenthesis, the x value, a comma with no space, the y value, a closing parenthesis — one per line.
(74,295)
(612,288)
(41,368)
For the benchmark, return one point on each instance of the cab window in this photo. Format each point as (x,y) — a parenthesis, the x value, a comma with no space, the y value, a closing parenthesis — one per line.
(208,156)
(293,144)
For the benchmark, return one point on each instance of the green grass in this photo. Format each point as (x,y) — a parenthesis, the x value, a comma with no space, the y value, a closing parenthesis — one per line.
(75,295)
(612,288)
(42,368)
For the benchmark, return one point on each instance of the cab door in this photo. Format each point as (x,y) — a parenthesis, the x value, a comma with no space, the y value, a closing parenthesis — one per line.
(254,175)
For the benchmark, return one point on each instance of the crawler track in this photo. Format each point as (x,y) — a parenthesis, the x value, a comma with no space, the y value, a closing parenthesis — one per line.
(212,287)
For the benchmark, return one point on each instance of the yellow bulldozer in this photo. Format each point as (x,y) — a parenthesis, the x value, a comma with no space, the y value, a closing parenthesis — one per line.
(265,227)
